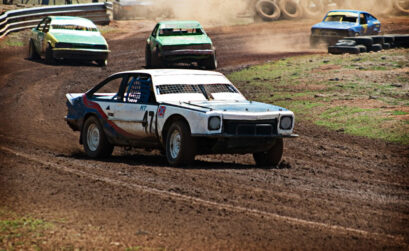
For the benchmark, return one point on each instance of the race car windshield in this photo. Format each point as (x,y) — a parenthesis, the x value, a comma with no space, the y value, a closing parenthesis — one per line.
(180,31)
(208,91)
(341,18)
(72,27)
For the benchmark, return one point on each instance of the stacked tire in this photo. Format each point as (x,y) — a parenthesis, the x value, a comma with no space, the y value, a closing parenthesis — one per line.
(356,45)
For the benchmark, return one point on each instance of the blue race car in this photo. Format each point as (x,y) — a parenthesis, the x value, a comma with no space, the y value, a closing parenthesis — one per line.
(338,24)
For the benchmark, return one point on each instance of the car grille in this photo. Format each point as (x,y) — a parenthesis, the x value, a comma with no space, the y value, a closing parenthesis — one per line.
(188,47)
(250,128)
(81,46)
(329,32)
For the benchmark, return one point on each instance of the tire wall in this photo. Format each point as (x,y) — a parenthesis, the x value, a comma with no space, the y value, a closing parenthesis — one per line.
(271,10)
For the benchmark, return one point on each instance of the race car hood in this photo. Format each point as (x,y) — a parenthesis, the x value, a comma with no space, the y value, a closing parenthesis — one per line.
(334,25)
(182,40)
(79,37)
(241,106)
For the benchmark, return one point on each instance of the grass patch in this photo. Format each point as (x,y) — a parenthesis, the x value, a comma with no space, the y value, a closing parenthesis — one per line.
(352,93)
(21,233)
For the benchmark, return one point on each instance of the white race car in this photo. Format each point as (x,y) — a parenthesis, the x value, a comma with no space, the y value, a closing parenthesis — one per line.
(182,112)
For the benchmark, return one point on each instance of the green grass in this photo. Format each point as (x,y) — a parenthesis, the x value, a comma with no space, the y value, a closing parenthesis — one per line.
(17,232)
(332,91)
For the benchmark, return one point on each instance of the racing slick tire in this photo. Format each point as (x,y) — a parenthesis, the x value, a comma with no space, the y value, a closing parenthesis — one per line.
(362,48)
(401,5)
(148,57)
(180,146)
(272,157)
(268,10)
(103,62)
(367,41)
(211,62)
(312,8)
(375,47)
(402,41)
(290,9)
(94,140)
(32,53)
(343,49)
(49,57)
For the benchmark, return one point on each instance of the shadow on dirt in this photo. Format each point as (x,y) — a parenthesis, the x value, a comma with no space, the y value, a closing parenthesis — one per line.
(65,62)
(158,160)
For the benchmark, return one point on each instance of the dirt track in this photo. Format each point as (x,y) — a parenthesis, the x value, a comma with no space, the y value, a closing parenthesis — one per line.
(331,190)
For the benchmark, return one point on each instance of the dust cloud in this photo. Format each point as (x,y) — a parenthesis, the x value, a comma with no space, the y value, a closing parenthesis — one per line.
(205,11)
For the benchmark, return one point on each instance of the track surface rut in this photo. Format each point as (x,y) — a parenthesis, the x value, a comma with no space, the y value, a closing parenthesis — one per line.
(331,190)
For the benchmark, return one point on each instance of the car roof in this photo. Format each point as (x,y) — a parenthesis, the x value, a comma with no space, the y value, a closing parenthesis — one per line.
(72,20)
(181,76)
(180,24)
(350,11)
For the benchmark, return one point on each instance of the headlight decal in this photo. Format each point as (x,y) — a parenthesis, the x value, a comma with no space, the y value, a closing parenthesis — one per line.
(214,123)
(286,122)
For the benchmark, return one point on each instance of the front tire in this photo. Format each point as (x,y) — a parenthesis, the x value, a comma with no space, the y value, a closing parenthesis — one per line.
(180,146)
(211,62)
(95,142)
(148,57)
(32,53)
(272,157)
(49,57)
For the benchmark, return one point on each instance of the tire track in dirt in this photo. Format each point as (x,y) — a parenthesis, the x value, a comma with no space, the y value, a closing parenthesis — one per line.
(396,239)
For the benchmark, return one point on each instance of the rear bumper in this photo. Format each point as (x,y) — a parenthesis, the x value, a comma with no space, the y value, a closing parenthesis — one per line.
(80,54)
(186,54)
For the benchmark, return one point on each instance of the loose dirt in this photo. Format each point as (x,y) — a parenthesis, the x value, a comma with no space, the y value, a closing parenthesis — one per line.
(332,191)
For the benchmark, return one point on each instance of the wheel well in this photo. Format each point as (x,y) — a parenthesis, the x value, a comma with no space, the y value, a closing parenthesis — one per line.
(169,122)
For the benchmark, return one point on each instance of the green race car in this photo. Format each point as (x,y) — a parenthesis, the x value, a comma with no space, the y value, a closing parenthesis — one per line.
(180,42)
(63,37)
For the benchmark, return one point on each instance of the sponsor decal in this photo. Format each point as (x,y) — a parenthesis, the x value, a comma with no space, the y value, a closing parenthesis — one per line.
(161,111)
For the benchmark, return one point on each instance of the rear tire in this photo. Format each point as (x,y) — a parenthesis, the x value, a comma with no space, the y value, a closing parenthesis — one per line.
(32,53)
(272,157)
(211,63)
(148,57)
(95,142)
(180,146)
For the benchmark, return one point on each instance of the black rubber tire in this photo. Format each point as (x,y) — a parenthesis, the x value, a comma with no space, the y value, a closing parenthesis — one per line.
(389,39)
(378,39)
(155,59)
(102,63)
(402,6)
(312,8)
(32,53)
(187,152)
(148,57)
(104,148)
(290,9)
(343,49)
(362,48)
(375,47)
(367,41)
(211,62)
(386,46)
(345,42)
(49,57)
(402,41)
(272,157)
(268,10)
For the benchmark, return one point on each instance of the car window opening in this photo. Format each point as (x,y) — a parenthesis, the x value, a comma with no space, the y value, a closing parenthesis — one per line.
(180,31)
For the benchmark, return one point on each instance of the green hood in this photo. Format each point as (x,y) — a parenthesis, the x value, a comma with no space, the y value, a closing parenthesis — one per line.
(187,39)
(78,37)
